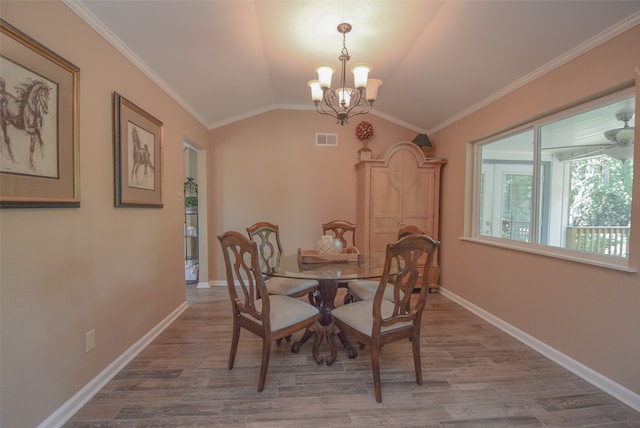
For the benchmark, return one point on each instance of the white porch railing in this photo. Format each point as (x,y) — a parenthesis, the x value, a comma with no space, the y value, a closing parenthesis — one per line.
(609,240)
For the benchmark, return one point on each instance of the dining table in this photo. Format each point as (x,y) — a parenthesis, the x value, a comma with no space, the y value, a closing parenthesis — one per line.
(328,274)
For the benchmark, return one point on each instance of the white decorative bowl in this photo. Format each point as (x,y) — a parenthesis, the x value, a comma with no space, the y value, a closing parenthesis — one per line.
(327,244)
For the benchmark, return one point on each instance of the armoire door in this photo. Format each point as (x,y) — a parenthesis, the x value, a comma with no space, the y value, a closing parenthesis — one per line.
(402,194)
(386,208)
(418,206)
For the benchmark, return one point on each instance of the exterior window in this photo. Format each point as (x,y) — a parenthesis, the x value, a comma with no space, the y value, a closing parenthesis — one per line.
(507,184)
(564,181)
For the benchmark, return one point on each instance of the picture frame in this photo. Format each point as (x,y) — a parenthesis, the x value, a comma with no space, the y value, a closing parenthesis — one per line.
(39,114)
(137,155)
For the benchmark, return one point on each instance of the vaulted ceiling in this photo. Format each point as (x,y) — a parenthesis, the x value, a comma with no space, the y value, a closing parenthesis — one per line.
(439,60)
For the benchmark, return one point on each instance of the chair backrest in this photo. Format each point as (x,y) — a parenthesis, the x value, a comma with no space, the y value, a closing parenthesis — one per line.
(407,252)
(244,280)
(267,236)
(409,230)
(340,228)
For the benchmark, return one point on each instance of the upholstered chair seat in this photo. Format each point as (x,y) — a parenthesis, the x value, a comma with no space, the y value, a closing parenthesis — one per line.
(290,286)
(365,289)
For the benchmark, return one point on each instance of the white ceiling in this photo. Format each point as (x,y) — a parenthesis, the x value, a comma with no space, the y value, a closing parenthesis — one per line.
(439,60)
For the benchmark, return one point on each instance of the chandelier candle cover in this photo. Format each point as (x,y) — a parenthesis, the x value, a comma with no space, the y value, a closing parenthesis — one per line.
(344,102)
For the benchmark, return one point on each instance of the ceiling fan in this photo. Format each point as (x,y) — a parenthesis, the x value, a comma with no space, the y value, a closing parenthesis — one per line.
(620,145)
(621,137)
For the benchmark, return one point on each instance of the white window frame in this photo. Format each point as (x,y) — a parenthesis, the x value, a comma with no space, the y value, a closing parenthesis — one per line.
(472,233)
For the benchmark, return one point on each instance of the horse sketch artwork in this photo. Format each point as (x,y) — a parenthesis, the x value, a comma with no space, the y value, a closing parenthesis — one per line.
(28,122)
(141,158)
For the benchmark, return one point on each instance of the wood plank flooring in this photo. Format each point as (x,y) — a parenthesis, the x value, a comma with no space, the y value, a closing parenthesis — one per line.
(475,376)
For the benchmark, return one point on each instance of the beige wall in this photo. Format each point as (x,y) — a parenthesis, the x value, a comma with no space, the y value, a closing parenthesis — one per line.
(268,168)
(64,272)
(589,313)
(120,271)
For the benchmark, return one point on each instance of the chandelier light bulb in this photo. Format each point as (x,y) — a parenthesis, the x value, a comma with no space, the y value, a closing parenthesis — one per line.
(324,76)
(344,97)
(372,89)
(316,90)
(360,75)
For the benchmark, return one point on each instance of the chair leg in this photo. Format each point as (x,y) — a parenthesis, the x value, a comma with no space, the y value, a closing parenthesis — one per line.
(314,298)
(234,342)
(416,358)
(375,368)
(264,366)
(348,297)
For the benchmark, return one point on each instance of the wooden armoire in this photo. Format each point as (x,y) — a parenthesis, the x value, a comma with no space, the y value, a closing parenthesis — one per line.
(400,189)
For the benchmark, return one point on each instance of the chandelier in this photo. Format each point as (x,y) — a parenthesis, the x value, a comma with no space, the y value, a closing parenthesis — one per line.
(344,102)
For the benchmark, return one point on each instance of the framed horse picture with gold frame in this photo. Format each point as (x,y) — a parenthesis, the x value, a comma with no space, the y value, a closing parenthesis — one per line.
(138,155)
(39,163)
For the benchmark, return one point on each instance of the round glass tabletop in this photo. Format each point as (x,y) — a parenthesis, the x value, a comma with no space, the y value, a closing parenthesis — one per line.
(366,267)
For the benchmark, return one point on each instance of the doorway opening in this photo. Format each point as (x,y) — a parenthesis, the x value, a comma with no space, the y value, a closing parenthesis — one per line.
(195,214)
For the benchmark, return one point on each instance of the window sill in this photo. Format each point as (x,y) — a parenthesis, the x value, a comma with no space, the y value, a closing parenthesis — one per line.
(558,253)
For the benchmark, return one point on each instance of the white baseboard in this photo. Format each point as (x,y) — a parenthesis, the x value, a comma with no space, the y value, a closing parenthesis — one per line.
(607,385)
(75,403)
(203,285)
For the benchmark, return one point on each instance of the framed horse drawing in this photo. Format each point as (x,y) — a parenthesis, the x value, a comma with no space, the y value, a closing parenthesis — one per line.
(39,163)
(138,155)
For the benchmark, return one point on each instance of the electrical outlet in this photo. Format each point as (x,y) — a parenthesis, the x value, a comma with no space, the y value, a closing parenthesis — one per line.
(90,340)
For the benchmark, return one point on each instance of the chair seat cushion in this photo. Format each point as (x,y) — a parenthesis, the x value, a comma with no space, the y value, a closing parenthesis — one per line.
(359,315)
(366,289)
(286,311)
(289,286)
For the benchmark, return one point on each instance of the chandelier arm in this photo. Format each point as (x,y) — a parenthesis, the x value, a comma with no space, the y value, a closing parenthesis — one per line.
(360,112)
(365,111)
(322,111)
(328,96)
(358,100)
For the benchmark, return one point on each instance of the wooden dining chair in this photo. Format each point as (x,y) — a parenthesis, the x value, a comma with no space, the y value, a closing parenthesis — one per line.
(365,289)
(271,317)
(378,321)
(267,236)
(341,229)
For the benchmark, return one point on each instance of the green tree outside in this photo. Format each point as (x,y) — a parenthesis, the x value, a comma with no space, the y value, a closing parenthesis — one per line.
(601,192)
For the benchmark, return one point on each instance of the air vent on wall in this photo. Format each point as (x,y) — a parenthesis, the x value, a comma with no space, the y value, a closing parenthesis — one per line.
(326,140)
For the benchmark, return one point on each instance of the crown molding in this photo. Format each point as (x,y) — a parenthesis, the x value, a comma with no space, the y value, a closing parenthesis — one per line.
(613,31)
(121,47)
